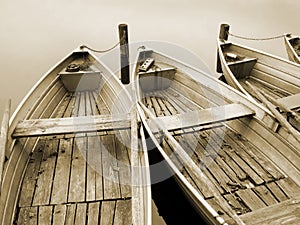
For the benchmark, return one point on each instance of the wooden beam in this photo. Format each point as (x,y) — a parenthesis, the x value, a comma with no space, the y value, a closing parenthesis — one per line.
(204,117)
(3,137)
(58,126)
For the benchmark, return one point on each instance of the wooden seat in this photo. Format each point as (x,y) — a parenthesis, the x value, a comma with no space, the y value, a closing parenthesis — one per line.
(82,124)
(205,116)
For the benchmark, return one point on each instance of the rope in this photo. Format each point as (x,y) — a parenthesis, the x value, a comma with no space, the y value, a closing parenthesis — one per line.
(256,39)
(103,51)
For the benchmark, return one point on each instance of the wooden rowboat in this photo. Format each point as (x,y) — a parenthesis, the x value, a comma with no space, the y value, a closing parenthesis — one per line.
(277,79)
(292,44)
(72,153)
(220,145)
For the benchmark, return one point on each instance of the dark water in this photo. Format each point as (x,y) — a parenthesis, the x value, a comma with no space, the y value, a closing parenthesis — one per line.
(169,199)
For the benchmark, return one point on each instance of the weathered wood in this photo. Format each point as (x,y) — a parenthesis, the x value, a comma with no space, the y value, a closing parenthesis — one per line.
(277,115)
(123,212)
(28,216)
(250,199)
(59,126)
(81,213)
(124,53)
(110,168)
(205,116)
(124,168)
(59,214)
(107,212)
(78,171)
(93,213)
(286,212)
(62,173)
(265,195)
(290,188)
(45,175)
(31,175)
(45,215)
(3,138)
(70,216)
(277,192)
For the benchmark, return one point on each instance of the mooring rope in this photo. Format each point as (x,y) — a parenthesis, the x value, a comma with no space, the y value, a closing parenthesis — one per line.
(256,39)
(106,50)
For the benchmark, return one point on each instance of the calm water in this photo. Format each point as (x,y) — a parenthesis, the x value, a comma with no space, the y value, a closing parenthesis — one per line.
(35,35)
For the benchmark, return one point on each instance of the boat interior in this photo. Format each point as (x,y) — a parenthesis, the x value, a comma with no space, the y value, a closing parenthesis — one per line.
(274,78)
(245,169)
(63,170)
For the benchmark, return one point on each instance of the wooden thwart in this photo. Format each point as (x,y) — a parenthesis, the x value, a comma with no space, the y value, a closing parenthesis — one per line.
(205,116)
(58,126)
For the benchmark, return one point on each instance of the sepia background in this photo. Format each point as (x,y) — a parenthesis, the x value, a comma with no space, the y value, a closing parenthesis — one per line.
(35,35)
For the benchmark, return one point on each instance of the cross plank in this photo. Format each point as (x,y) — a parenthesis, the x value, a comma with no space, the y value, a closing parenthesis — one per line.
(60,126)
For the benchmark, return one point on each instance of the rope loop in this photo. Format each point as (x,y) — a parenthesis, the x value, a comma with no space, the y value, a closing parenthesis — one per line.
(256,39)
(106,50)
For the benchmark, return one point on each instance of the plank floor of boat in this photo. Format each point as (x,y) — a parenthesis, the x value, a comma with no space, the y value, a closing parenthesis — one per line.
(63,183)
(238,171)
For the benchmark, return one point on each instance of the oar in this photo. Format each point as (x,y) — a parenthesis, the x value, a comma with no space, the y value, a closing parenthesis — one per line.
(282,107)
(283,122)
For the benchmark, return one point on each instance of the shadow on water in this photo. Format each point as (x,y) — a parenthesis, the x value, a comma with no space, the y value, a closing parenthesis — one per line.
(169,199)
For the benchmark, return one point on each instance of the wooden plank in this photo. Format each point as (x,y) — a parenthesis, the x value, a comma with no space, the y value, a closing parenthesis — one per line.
(250,199)
(236,204)
(81,213)
(59,126)
(93,213)
(78,171)
(62,172)
(124,169)
(28,216)
(277,192)
(205,116)
(70,216)
(290,188)
(218,208)
(45,215)
(266,164)
(59,215)
(45,178)
(244,166)
(265,195)
(286,212)
(290,102)
(31,175)
(240,149)
(3,137)
(93,163)
(123,212)
(107,212)
(110,168)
